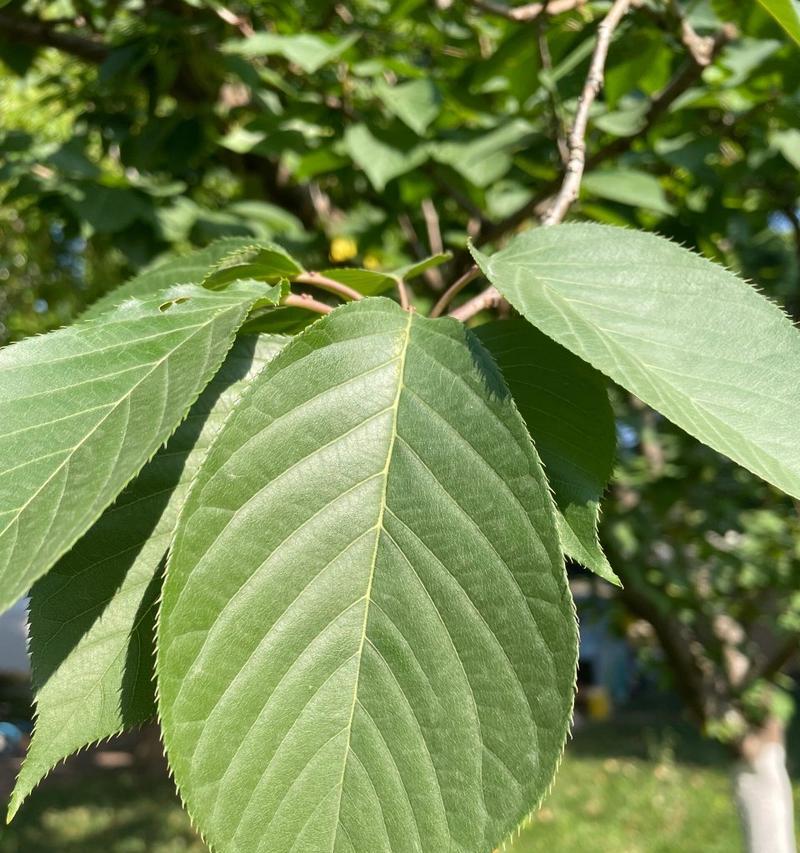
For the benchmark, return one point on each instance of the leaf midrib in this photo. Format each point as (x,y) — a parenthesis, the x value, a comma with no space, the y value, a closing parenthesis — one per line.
(373,563)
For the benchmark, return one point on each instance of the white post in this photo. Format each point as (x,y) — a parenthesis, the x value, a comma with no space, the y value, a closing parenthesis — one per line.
(764,795)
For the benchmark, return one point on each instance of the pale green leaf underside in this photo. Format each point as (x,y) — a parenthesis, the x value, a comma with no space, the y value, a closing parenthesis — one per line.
(92,617)
(685,335)
(82,409)
(787,14)
(565,405)
(184,269)
(387,663)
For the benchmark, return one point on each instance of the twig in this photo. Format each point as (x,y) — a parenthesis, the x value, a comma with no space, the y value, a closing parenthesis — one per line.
(577,138)
(431,217)
(241,23)
(316,279)
(552,90)
(528,12)
(410,234)
(488,298)
(700,47)
(402,292)
(661,102)
(455,288)
(577,149)
(432,276)
(305,300)
(29,30)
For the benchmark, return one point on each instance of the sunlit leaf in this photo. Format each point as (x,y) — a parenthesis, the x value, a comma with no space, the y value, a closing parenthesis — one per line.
(388,662)
(82,409)
(92,617)
(685,335)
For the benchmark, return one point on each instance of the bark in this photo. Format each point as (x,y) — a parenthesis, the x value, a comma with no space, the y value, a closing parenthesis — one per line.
(764,793)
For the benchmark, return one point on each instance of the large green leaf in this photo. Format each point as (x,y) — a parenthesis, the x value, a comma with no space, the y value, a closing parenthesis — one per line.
(184,269)
(82,409)
(786,13)
(92,617)
(366,641)
(685,335)
(565,405)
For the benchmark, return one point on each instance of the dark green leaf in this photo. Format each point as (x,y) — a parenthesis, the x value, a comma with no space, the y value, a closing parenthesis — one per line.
(566,408)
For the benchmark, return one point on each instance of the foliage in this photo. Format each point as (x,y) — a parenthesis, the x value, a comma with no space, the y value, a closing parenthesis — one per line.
(719,583)
(365,636)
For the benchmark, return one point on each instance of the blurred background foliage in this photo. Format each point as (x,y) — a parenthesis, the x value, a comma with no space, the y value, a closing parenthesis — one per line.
(373,133)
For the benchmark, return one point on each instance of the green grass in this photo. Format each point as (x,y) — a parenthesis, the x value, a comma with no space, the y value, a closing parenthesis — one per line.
(642,783)
(102,811)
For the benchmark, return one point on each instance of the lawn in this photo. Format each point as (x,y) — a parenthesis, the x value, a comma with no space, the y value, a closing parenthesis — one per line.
(642,783)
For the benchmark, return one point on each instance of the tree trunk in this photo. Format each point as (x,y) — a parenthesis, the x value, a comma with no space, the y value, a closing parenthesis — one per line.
(764,792)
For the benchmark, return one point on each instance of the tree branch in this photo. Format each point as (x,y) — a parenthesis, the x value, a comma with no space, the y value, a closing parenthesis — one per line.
(674,639)
(316,279)
(577,137)
(305,300)
(447,297)
(38,33)
(528,12)
(774,662)
(661,102)
(577,148)
(431,218)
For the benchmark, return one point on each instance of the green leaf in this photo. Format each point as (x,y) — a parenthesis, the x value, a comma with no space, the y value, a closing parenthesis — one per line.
(565,405)
(388,662)
(92,617)
(628,186)
(416,103)
(82,409)
(368,282)
(788,143)
(261,261)
(306,50)
(686,336)
(786,13)
(375,282)
(418,267)
(380,161)
(185,269)
(484,157)
(108,209)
